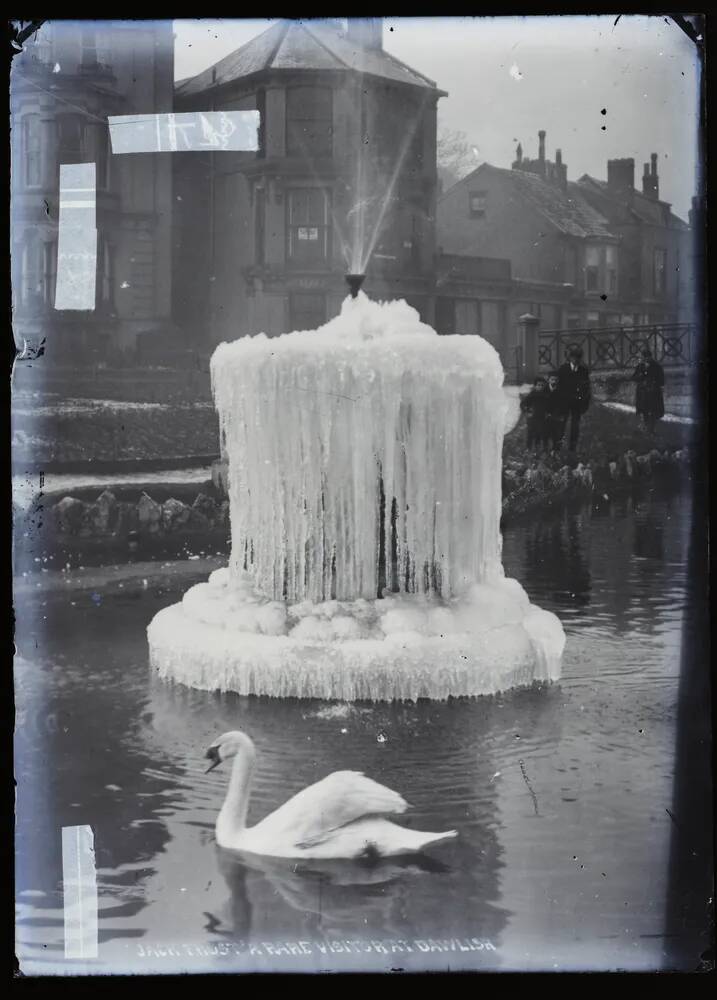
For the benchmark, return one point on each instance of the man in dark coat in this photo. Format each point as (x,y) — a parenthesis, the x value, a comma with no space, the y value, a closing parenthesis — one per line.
(649,378)
(574,387)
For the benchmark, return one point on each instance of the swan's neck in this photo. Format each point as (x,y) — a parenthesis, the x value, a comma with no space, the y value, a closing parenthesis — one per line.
(232,817)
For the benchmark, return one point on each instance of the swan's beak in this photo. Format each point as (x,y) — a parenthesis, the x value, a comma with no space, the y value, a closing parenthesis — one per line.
(212,754)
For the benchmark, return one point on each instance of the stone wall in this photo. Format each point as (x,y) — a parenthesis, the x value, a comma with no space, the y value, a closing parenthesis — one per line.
(110,518)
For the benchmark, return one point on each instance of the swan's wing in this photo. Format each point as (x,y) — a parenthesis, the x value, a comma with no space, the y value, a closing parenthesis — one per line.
(338,799)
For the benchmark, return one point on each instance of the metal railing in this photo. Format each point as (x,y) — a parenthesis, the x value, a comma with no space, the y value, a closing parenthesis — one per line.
(673,345)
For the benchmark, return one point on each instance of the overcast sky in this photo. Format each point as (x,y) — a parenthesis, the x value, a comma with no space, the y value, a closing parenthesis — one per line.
(508,77)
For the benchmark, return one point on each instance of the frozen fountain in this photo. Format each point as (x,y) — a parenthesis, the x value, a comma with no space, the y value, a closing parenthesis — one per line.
(365,502)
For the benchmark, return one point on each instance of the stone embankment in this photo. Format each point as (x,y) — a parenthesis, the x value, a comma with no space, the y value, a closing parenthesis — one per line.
(109,517)
(526,484)
(546,482)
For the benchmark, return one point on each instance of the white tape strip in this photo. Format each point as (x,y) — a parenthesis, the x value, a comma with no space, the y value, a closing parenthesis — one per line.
(77,239)
(79,881)
(194,131)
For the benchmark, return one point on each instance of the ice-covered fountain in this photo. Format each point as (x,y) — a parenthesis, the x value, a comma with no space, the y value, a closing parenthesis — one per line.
(365,500)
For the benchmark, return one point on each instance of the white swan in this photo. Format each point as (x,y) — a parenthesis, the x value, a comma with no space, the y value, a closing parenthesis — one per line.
(338,817)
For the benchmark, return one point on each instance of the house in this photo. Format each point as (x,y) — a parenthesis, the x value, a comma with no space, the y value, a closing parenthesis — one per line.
(344,180)
(64,84)
(655,245)
(604,254)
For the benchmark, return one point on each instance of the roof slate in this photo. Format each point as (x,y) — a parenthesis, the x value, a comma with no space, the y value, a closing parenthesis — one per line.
(567,210)
(302,45)
(645,209)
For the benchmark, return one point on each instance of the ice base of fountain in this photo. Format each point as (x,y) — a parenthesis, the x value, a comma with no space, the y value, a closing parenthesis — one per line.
(224,637)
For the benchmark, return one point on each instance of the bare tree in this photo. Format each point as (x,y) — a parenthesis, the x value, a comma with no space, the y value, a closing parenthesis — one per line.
(456,154)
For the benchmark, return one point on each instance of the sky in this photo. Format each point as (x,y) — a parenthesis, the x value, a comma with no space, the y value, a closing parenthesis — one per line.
(509,77)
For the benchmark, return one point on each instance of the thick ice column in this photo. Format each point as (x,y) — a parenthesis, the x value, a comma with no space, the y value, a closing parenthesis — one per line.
(319,424)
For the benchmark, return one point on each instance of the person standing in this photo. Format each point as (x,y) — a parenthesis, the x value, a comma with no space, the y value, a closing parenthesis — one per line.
(574,387)
(533,405)
(554,414)
(649,379)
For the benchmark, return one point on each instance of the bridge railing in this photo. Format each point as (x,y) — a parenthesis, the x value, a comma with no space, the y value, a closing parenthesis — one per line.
(673,345)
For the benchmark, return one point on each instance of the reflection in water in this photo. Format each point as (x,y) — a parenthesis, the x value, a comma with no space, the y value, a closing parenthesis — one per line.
(554,556)
(328,894)
(530,779)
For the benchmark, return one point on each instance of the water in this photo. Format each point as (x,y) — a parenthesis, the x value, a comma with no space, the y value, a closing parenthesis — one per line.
(560,795)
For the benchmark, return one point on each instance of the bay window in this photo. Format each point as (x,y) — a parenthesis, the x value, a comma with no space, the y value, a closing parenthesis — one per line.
(32,143)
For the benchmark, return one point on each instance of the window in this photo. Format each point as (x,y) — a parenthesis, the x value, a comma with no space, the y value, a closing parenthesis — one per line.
(33,151)
(477,203)
(259,226)
(261,137)
(611,270)
(49,272)
(592,319)
(99,139)
(31,281)
(106,270)
(592,269)
(660,268)
(467,315)
(71,139)
(308,226)
(309,122)
(307,310)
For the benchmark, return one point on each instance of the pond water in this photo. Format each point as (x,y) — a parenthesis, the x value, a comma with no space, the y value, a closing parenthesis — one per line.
(561,795)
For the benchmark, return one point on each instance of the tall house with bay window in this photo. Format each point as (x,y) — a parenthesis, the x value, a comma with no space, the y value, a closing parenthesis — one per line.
(65,83)
(655,245)
(344,179)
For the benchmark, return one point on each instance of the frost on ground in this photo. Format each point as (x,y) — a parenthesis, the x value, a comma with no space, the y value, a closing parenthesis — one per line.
(364,458)
(670,418)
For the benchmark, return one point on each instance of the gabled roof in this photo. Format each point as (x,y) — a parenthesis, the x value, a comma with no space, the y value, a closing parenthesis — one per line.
(289,45)
(650,210)
(568,211)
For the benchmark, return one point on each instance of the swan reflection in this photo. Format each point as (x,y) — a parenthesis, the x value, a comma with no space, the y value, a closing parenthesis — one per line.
(363,893)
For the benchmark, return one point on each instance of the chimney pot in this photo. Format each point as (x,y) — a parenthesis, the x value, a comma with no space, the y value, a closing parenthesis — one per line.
(653,158)
(558,156)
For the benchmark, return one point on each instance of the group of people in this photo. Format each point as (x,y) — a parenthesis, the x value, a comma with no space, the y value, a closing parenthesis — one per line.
(563,397)
(553,402)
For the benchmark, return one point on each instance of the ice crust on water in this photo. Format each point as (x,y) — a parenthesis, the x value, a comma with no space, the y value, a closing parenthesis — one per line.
(364,457)
(231,638)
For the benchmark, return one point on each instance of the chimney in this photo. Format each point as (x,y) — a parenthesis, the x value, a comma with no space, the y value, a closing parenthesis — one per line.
(621,177)
(541,146)
(366,32)
(649,182)
(561,169)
